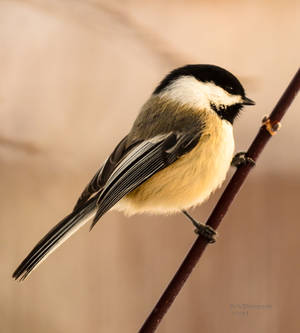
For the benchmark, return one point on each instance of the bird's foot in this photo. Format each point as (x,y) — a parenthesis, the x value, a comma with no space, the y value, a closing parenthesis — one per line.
(241,158)
(202,229)
(206,231)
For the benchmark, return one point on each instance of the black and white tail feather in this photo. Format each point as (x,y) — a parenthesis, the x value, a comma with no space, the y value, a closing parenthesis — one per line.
(126,168)
(55,237)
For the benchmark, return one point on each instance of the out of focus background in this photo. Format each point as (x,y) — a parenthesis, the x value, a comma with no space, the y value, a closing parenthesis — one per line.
(73,75)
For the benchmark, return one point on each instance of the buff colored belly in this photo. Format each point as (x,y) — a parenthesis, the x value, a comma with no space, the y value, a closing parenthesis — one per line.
(188,181)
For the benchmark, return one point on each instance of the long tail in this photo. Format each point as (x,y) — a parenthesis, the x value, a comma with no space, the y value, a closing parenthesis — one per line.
(55,237)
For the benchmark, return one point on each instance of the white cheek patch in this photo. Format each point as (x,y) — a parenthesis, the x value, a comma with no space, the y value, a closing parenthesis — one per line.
(189,90)
(218,95)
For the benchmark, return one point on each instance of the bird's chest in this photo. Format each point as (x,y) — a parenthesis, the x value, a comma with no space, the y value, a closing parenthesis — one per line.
(209,163)
(215,153)
(193,177)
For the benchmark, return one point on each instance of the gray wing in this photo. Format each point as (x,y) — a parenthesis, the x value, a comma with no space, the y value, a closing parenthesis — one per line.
(126,168)
(102,175)
(142,161)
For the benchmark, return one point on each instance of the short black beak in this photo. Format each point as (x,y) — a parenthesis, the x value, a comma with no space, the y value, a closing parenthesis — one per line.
(248,101)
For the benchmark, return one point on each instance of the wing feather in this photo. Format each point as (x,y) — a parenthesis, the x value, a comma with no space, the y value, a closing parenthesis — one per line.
(127,168)
(101,176)
(147,158)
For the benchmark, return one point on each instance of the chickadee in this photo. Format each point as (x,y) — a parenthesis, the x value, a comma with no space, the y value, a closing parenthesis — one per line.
(176,154)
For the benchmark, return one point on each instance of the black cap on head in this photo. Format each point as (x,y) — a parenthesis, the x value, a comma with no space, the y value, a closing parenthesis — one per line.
(205,73)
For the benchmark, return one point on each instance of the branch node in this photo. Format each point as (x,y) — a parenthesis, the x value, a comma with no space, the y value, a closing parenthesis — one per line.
(271,127)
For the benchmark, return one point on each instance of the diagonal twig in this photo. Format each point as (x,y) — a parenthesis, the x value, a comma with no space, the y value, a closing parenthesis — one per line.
(269,127)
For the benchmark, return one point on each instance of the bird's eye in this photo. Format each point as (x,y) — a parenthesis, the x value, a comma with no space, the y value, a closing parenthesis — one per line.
(229,89)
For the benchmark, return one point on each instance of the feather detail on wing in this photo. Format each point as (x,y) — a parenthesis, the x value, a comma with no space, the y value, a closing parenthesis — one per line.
(139,164)
(101,176)
(126,168)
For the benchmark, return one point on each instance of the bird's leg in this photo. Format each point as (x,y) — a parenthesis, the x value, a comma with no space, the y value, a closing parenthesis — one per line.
(202,229)
(241,158)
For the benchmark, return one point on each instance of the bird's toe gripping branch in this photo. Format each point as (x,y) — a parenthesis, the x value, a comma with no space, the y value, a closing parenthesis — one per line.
(241,158)
(207,232)
(204,230)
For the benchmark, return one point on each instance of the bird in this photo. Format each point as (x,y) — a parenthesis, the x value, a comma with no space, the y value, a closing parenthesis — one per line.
(176,154)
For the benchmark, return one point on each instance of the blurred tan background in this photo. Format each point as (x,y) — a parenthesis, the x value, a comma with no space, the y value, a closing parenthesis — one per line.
(73,77)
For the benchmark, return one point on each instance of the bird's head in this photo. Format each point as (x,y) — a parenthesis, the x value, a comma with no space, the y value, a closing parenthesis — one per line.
(205,87)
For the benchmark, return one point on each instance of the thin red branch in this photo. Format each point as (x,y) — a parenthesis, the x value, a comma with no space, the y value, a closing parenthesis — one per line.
(269,127)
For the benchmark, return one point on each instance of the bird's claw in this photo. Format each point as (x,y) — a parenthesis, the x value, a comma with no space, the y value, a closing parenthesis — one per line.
(241,158)
(206,231)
